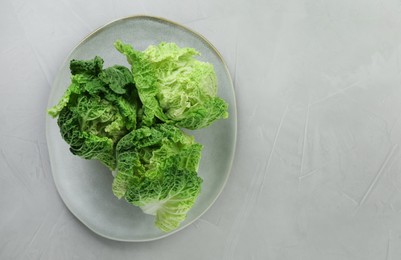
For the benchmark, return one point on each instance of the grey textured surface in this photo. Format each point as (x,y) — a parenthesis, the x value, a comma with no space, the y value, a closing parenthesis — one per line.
(317,173)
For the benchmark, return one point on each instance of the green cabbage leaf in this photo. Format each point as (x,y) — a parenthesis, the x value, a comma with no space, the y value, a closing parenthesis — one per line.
(173,86)
(157,171)
(99,107)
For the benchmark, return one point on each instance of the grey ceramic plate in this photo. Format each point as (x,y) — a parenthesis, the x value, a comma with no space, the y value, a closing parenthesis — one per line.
(85,186)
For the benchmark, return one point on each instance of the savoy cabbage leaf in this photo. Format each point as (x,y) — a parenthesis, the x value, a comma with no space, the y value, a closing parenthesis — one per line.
(173,86)
(98,108)
(157,171)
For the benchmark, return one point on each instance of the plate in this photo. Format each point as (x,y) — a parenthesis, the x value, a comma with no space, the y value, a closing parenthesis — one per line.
(85,185)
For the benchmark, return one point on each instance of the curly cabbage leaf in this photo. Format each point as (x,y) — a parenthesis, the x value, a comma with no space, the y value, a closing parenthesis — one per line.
(157,171)
(147,151)
(174,86)
(169,197)
(98,108)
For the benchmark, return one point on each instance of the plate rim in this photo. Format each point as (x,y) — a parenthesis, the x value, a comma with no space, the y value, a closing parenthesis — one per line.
(234,108)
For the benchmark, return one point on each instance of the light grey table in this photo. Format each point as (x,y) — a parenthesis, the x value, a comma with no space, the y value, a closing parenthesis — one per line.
(317,172)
